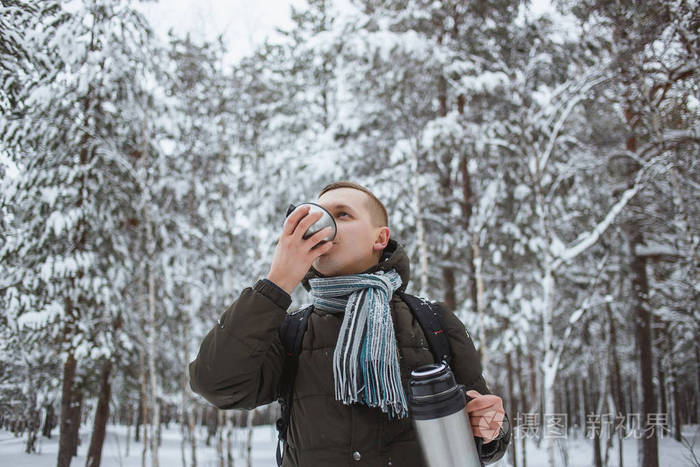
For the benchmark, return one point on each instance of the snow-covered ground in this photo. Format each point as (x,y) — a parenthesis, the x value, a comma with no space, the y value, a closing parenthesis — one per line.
(672,453)
(114,451)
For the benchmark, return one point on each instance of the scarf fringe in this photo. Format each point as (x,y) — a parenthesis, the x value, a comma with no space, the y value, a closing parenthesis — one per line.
(365,360)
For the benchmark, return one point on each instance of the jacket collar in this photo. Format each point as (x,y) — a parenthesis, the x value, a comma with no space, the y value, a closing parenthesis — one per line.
(393,256)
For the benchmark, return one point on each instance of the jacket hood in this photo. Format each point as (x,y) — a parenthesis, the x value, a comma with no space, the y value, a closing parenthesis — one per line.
(393,256)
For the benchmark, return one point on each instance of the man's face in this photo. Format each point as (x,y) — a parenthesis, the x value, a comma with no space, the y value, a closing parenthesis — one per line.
(357,241)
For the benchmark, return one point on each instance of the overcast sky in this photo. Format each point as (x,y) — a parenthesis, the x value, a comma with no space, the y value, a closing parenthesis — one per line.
(243,23)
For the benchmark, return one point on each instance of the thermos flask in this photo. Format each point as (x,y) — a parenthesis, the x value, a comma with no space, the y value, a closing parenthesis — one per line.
(437,403)
(325,221)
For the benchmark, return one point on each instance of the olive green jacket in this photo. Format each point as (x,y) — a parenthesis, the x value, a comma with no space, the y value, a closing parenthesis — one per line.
(240,363)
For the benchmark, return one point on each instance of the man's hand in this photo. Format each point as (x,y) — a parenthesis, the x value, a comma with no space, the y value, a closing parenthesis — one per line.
(486,415)
(294,255)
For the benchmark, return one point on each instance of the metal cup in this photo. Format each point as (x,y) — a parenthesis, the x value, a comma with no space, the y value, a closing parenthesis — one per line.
(326,220)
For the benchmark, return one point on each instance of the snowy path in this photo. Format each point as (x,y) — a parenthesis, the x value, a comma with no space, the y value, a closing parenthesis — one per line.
(672,453)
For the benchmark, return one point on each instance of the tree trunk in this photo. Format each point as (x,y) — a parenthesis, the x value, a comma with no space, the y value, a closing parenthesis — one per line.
(229,439)
(523,405)
(193,436)
(448,280)
(64,442)
(32,429)
(186,420)
(64,451)
(467,209)
(139,407)
(211,420)
(480,301)
(697,382)
(159,427)
(511,404)
(76,415)
(220,438)
(616,382)
(151,341)
(549,365)
(420,226)
(567,405)
(94,456)
(616,378)
(660,373)
(129,422)
(581,391)
(49,421)
(249,442)
(642,324)
(673,385)
(143,404)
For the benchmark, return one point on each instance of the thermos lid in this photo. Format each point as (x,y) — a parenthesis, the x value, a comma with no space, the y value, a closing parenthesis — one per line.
(434,393)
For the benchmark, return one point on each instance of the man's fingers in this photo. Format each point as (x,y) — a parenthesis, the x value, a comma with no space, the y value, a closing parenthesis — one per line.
(321,248)
(306,222)
(294,219)
(481,402)
(320,235)
(488,413)
(486,427)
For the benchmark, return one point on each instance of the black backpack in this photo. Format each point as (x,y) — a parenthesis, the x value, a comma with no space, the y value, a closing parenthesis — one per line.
(292,334)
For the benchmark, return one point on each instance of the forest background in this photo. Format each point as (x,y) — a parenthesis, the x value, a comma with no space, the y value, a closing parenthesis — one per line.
(540,170)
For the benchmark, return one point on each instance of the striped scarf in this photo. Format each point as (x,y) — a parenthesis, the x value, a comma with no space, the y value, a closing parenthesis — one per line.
(365,361)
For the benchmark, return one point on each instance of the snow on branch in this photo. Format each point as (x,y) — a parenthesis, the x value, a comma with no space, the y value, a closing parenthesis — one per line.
(593,236)
(581,95)
(586,305)
(657,249)
(501,143)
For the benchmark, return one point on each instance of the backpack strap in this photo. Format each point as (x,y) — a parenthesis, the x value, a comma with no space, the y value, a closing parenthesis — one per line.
(428,316)
(292,335)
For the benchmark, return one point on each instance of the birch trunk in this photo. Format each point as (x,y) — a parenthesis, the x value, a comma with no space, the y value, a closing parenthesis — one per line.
(220,438)
(249,441)
(128,433)
(155,417)
(524,403)
(229,439)
(480,305)
(511,403)
(549,366)
(420,228)
(143,404)
(186,420)
(467,209)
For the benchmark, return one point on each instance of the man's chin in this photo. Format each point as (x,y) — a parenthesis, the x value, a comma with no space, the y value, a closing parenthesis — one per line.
(325,265)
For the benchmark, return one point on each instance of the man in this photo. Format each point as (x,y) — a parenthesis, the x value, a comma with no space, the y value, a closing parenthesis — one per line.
(335,421)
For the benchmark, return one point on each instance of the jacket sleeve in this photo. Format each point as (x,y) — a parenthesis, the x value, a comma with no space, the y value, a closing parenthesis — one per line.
(239,363)
(466,365)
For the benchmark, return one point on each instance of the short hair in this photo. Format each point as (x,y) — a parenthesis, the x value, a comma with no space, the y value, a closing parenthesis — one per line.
(377,211)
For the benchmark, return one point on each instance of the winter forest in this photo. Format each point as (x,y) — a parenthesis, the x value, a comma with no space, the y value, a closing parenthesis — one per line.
(541,170)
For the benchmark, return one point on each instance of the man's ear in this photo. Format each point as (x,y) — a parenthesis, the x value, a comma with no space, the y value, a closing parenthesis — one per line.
(382,238)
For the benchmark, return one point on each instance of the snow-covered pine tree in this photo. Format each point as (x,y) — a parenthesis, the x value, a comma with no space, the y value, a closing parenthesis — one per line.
(74,195)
